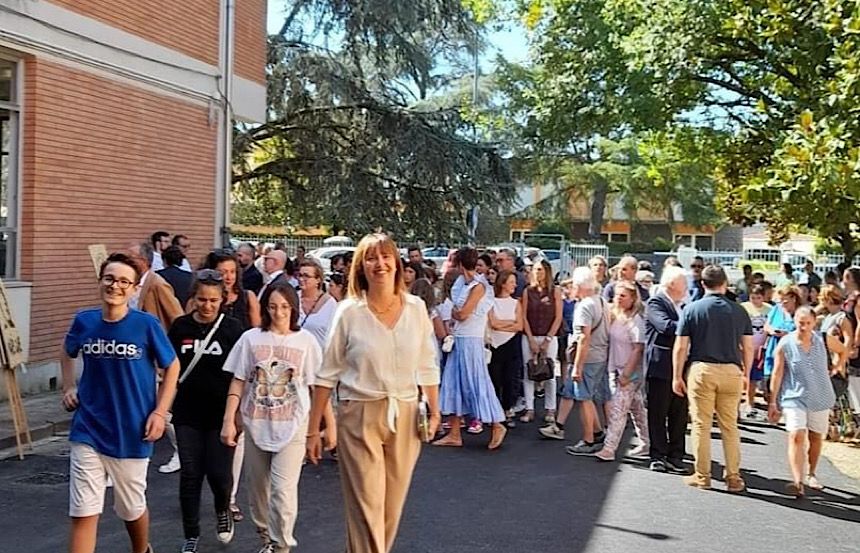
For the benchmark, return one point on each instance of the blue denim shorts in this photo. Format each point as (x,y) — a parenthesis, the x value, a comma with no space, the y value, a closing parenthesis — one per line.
(594,385)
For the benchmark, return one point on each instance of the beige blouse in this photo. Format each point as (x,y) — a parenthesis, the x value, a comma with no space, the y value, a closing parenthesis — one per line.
(372,362)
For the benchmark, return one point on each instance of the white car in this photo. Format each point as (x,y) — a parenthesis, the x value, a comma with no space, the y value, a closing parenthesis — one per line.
(324,255)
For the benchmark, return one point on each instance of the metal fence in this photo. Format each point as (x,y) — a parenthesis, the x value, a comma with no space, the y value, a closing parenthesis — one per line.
(577,255)
(291,242)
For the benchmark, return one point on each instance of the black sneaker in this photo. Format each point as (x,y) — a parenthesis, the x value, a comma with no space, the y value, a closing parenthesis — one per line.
(676,467)
(657,466)
(190,545)
(224,527)
(599,437)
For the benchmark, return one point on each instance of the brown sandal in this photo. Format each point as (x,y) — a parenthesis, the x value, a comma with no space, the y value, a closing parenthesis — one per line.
(499,433)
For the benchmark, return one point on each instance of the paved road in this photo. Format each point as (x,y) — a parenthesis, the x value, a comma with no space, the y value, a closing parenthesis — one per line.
(528,497)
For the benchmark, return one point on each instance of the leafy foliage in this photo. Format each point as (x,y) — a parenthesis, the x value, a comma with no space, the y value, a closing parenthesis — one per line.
(353,139)
(779,79)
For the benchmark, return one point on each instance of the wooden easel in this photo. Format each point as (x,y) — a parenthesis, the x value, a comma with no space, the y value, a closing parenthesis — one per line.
(12,357)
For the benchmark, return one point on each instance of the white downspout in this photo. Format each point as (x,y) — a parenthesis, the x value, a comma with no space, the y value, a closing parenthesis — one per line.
(225,122)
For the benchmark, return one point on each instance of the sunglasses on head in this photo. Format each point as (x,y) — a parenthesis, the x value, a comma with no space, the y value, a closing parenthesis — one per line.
(209,276)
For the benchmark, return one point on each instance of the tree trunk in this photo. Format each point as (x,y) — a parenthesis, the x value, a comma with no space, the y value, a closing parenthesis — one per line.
(598,207)
(849,245)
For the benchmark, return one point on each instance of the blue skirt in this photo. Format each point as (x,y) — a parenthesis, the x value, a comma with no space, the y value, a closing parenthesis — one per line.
(466,386)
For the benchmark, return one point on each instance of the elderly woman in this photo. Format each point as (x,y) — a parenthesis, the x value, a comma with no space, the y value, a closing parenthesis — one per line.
(801,391)
(380,352)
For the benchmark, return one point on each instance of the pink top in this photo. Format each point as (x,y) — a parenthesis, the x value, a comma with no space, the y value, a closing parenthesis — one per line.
(622,336)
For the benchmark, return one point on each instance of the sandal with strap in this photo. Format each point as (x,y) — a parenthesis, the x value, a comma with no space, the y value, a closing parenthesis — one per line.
(236,513)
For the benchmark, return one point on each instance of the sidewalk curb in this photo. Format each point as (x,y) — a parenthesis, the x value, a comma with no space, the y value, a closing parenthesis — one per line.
(45,430)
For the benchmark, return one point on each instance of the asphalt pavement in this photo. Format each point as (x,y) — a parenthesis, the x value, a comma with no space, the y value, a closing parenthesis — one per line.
(530,496)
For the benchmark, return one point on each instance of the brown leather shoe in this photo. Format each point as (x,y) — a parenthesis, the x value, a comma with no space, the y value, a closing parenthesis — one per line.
(698,481)
(735,484)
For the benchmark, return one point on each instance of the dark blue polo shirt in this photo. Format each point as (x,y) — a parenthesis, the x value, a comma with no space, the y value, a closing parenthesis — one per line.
(715,326)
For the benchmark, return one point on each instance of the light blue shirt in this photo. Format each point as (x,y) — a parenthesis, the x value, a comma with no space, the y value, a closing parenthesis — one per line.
(806,379)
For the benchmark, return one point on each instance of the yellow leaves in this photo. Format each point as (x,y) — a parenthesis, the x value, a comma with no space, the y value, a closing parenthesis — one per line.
(806,121)
(533,15)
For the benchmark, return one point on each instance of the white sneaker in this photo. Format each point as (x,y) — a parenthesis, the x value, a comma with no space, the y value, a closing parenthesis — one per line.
(520,406)
(813,483)
(552,432)
(171,466)
(640,450)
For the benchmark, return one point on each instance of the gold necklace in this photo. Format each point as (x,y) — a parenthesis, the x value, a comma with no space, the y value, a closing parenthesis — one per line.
(383,311)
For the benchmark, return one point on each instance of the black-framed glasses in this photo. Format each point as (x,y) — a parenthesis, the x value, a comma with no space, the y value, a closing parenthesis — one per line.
(697,266)
(121,283)
(307,275)
(210,276)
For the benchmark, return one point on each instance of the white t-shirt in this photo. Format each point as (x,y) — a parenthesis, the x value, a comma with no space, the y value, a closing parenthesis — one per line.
(444,310)
(277,371)
(476,324)
(319,322)
(504,309)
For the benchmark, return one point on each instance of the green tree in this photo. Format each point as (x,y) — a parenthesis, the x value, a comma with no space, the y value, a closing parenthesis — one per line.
(779,77)
(350,138)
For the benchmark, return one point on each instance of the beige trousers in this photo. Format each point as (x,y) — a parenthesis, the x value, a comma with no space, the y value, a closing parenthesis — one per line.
(375,469)
(715,388)
(273,488)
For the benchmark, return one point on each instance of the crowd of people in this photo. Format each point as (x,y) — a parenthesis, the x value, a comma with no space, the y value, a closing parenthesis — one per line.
(258,361)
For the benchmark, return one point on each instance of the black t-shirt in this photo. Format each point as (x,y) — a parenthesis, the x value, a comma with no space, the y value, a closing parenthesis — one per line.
(715,326)
(200,400)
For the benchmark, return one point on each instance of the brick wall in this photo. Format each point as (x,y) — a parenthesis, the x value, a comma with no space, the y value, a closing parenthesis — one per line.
(250,32)
(189,26)
(103,163)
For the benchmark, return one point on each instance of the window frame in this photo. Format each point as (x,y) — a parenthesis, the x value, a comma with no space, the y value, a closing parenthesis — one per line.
(12,270)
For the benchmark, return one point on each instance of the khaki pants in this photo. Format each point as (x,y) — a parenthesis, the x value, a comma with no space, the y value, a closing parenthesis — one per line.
(375,469)
(715,388)
(273,488)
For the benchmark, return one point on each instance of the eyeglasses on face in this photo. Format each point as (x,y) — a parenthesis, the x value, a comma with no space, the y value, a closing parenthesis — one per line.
(209,275)
(697,266)
(121,283)
(307,275)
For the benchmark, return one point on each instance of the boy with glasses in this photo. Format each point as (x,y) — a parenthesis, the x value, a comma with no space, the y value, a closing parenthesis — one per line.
(118,413)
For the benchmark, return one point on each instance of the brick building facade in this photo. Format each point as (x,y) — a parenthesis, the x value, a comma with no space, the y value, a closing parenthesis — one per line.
(114,124)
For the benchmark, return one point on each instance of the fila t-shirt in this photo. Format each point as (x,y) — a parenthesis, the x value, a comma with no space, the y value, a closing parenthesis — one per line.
(117,387)
(201,398)
(277,370)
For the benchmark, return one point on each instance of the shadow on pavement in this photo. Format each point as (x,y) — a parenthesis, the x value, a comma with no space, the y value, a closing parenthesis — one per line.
(649,535)
(829,502)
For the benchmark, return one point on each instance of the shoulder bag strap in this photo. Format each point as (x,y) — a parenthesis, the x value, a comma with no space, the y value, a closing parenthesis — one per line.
(199,353)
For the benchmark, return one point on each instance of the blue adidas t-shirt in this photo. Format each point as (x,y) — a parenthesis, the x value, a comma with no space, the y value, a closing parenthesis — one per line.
(117,389)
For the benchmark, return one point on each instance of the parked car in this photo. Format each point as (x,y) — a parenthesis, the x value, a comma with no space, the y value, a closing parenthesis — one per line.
(324,255)
(438,254)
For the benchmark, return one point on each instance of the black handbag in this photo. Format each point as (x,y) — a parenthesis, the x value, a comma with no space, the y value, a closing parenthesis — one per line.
(540,368)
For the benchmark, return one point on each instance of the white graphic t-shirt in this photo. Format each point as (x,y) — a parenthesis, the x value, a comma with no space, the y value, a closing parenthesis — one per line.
(278,371)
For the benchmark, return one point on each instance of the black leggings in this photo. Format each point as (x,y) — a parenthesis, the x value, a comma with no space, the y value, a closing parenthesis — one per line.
(202,455)
(506,370)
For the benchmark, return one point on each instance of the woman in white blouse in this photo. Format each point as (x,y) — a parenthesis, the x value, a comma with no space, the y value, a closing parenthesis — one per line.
(380,351)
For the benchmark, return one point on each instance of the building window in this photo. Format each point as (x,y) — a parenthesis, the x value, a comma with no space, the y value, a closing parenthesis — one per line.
(517,235)
(10,117)
(704,242)
(683,240)
(619,237)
